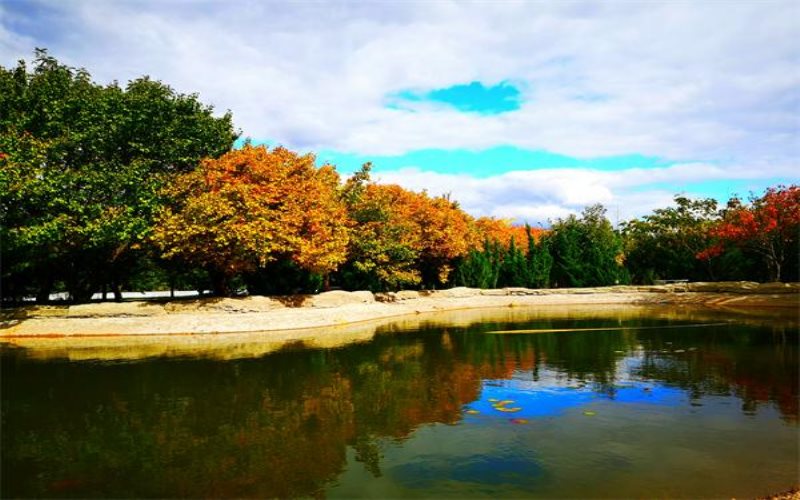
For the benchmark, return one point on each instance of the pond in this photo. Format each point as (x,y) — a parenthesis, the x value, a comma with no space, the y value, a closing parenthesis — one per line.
(610,403)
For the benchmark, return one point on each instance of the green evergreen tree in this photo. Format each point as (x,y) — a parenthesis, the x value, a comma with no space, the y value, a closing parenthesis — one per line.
(495,258)
(587,251)
(480,268)
(540,261)
(514,268)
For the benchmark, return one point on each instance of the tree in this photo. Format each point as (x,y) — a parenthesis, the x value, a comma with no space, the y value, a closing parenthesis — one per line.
(386,241)
(251,207)
(540,261)
(81,168)
(514,268)
(401,238)
(770,226)
(496,259)
(480,268)
(501,231)
(586,250)
(665,243)
(445,236)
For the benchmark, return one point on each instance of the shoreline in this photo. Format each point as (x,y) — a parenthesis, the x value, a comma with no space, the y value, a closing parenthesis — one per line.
(339,308)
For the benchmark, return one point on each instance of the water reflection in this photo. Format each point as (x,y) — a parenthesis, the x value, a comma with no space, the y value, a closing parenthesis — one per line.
(229,346)
(291,422)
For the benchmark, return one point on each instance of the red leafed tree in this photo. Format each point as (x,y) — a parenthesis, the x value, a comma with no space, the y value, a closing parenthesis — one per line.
(770,226)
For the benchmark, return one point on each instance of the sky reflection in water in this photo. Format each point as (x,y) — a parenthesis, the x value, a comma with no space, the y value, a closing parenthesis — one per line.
(541,400)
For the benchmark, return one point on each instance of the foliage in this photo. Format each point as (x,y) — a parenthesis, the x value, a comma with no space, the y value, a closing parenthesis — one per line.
(501,231)
(81,167)
(770,226)
(498,265)
(514,268)
(445,237)
(540,261)
(283,277)
(251,207)
(399,237)
(480,268)
(663,245)
(587,251)
(385,241)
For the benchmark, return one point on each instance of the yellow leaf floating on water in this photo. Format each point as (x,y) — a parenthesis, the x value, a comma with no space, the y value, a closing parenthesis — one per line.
(589,413)
(492,400)
(472,412)
(507,410)
(504,402)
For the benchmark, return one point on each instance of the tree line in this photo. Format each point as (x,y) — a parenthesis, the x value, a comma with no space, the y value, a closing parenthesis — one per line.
(105,188)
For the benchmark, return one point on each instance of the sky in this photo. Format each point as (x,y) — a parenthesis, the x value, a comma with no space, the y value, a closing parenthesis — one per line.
(525,110)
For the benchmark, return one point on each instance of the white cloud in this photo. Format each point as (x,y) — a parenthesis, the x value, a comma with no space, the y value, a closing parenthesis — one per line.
(536,196)
(535,214)
(680,80)
(711,86)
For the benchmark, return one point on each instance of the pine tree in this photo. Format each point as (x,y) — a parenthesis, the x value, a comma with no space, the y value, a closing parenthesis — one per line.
(514,268)
(539,261)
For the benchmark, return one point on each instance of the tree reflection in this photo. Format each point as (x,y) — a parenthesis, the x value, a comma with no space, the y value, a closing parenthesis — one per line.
(281,425)
(758,366)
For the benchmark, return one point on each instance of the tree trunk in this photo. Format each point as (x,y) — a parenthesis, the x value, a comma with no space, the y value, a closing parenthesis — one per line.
(710,269)
(220,284)
(80,293)
(83,280)
(45,287)
(773,261)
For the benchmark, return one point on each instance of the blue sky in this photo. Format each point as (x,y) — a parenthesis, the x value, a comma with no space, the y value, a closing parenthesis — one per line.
(527,110)
(473,97)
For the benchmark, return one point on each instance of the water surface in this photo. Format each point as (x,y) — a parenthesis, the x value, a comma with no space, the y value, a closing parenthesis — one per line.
(706,407)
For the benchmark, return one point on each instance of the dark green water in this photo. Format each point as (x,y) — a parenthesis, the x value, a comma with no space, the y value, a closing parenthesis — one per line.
(677,412)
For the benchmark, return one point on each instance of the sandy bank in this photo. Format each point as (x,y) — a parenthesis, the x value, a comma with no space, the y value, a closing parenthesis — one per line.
(274,314)
(239,345)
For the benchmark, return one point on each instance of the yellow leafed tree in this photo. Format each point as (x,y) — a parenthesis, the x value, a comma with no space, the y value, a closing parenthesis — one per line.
(402,237)
(250,207)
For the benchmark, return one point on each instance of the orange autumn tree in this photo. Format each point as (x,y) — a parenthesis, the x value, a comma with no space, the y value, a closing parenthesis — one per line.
(385,240)
(770,227)
(401,238)
(253,206)
(445,236)
(502,231)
